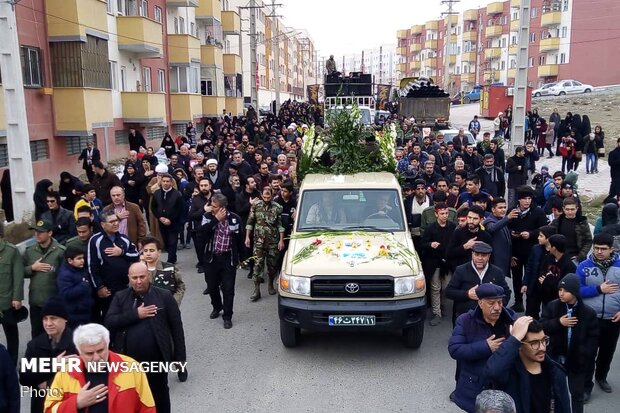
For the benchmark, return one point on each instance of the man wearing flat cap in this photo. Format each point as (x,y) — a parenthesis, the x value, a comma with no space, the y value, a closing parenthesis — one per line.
(477,334)
(469,276)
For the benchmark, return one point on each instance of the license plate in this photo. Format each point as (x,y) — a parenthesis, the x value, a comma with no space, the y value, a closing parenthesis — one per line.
(351,320)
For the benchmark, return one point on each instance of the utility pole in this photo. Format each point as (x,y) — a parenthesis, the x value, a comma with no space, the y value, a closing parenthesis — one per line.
(447,44)
(517,132)
(18,140)
(253,59)
(276,45)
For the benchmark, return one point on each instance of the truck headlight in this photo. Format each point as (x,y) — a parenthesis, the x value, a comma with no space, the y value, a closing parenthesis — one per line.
(409,285)
(295,285)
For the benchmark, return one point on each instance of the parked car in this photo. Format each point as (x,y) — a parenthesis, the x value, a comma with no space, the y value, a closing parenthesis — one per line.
(543,90)
(449,134)
(566,87)
(473,95)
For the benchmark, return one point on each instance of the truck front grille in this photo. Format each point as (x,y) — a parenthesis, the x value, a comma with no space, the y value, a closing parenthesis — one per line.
(348,287)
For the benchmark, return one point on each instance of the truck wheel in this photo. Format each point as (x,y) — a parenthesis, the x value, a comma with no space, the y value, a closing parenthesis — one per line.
(413,335)
(467,100)
(289,335)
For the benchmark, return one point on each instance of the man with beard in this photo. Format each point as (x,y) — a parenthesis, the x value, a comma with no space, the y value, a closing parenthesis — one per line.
(496,224)
(464,238)
(478,334)
(414,207)
(498,154)
(517,173)
(201,204)
(168,207)
(243,203)
(429,175)
(217,178)
(491,177)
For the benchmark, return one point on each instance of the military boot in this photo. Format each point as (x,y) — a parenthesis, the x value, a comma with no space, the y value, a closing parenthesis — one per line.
(256,294)
(270,289)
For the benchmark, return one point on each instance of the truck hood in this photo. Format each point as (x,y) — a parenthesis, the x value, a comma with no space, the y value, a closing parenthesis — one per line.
(364,254)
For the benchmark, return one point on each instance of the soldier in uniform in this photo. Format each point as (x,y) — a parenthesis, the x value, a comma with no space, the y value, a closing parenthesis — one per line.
(265,223)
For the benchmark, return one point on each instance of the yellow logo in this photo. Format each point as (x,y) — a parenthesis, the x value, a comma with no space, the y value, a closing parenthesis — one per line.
(39,223)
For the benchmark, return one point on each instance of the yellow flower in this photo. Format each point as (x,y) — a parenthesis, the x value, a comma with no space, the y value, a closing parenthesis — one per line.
(383,252)
(328,250)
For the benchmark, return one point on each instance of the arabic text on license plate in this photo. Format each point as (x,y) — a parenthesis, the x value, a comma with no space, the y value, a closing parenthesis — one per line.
(351,320)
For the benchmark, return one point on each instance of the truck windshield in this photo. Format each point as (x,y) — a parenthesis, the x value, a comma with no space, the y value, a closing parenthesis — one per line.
(350,210)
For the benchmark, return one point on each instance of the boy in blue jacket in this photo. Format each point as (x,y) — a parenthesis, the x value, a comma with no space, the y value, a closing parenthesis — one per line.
(74,286)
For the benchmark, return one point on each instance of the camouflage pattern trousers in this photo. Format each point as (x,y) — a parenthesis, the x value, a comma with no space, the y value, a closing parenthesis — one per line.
(265,251)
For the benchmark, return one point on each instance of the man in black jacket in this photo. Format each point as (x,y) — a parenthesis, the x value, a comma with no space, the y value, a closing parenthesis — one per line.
(88,156)
(222,232)
(524,231)
(146,324)
(614,170)
(467,277)
(168,204)
(62,220)
(243,203)
(136,140)
(460,246)
(573,336)
(517,174)
(9,385)
(201,204)
(491,177)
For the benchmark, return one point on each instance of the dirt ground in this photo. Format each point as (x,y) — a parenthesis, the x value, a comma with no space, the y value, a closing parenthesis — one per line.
(603,108)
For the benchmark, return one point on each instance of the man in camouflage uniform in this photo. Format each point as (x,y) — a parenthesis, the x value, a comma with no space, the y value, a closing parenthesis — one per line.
(265,222)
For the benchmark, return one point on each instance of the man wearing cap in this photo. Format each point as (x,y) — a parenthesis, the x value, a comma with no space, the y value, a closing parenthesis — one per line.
(56,341)
(573,336)
(41,260)
(477,334)
(467,277)
(214,175)
(11,290)
(524,232)
(103,182)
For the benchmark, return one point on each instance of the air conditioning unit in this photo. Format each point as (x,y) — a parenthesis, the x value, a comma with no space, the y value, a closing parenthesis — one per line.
(510,91)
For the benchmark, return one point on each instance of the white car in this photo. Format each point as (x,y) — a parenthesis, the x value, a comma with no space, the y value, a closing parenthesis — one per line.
(543,90)
(449,134)
(568,87)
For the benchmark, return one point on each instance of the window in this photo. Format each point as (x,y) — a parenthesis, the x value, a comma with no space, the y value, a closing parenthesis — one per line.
(575,83)
(109,6)
(120,6)
(113,75)
(562,58)
(192,29)
(565,8)
(541,60)
(179,129)
(121,137)
(502,65)
(532,37)
(564,32)
(4,155)
(75,144)
(534,12)
(530,62)
(182,25)
(161,80)
(146,79)
(155,132)
(158,14)
(123,78)
(39,150)
(31,66)
(503,42)
(143,10)
(176,25)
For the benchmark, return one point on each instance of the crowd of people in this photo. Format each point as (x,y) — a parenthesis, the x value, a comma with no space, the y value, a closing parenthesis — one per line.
(478,217)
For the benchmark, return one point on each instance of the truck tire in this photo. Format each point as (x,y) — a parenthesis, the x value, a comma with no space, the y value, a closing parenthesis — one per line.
(289,335)
(413,336)
(467,100)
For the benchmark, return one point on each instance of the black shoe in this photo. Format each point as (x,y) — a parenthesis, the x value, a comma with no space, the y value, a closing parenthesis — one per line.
(586,397)
(452,397)
(250,275)
(227,324)
(517,308)
(205,292)
(182,376)
(200,270)
(214,314)
(604,385)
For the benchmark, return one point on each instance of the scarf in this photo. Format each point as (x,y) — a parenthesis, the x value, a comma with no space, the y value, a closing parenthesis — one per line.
(492,173)
(604,265)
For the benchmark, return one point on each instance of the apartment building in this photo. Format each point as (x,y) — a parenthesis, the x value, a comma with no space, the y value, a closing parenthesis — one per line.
(297,54)
(93,69)
(380,62)
(569,39)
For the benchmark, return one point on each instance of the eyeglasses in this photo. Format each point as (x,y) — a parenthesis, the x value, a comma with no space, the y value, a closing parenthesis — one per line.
(536,344)
(112,222)
(601,249)
(51,201)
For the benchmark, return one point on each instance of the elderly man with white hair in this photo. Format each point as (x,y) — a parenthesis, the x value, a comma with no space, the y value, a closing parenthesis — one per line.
(494,401)
(81,388)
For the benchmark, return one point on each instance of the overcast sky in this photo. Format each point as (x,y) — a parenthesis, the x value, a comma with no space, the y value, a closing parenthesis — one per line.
(347,26)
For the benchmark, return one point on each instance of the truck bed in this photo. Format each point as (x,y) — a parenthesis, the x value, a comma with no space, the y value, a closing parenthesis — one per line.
(425,109)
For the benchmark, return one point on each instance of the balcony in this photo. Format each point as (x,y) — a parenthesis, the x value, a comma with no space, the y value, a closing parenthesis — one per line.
(493,31)
(231,23)
(234,105)
(213,105)
(183,3)
(211,55)
(452,59)
(402,34)
(232,64)
(553,43)
(78,110)
(139,35)
(512,73)
(432,25)
(209,8)
(513,49)
(470,36)
(144,107)
(548,70)
(73,19)
(430,44)
(185,107)
(515,3)
(401,67)
(415,65)
(451,19)
(2,116)
(492,53)
(415,47)
(515,25)
(468,78)
(401,51)
(491,75)
(495,8)
(470,15)
(469,57)
(551,19)
(416,29)
(430,63)
(183,48)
